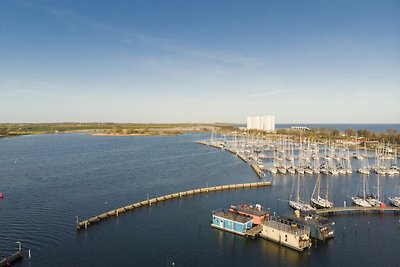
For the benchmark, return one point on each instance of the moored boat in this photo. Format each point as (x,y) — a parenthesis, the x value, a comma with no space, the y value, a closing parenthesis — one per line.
(395,201)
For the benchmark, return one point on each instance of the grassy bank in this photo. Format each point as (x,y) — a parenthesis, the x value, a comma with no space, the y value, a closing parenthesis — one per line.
(117,129)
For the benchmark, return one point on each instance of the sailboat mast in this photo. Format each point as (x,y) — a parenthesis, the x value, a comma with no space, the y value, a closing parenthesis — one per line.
(298,188)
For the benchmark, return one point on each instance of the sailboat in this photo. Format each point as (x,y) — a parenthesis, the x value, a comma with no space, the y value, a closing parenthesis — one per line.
(374,200)
(395,201)
(297,204)
(273,168)
(364,167)
(361,200)
(348,168)
(316,200)
(291,169)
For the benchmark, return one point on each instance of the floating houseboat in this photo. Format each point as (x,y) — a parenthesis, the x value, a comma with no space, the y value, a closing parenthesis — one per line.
(251,221)
(235,223)
(257,213)
(287,233)
(320,227)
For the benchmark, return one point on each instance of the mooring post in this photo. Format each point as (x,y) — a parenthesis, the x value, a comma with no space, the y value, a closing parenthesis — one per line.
(207,187)
(85,224)
(117,212)
(29,254)
(147,195)
(77,220)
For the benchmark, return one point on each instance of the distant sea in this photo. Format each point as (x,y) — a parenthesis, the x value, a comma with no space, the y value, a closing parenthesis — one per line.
(343,127)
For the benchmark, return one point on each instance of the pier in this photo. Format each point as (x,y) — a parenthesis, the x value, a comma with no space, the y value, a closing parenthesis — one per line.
(260,173)
(86,223)
(356,209)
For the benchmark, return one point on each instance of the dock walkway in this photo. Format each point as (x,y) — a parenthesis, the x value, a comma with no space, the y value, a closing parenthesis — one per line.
(86,223)
(260,173)
(356,209)
(255,231)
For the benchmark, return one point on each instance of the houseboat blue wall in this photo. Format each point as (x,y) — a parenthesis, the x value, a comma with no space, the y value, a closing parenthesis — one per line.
(218,221)
(239,227)
(228,224)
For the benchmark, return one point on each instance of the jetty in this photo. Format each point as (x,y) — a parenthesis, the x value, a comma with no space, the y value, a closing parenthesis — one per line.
(260,173)
(356,209)
(148,202)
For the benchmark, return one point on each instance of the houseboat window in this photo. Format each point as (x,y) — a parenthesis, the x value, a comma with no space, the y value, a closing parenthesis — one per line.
(285,238)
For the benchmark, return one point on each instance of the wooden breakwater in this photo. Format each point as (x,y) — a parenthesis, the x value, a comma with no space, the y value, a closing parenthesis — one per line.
(116,212)
(356,209)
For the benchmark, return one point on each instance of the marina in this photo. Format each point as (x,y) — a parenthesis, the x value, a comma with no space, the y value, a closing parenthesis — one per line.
(171,159)
(282,155)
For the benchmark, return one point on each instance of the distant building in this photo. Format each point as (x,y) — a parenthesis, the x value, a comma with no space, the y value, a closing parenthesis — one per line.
(300,128)
(264,123)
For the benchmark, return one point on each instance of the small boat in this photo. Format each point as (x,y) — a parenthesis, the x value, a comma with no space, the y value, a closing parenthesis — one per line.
(300,170)
(316,200)
(333,171)
(374,201)
(282,169)
(301,206)
(273,170)
(323,169)
(308,170)
(363,171)
(291,170)
(296,203)
(260,164)
(395,201)
(360,201)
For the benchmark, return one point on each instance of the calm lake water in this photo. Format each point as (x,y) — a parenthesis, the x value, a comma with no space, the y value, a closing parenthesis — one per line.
(47,180)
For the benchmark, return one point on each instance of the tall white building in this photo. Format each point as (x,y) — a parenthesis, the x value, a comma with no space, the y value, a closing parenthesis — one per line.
(264,123)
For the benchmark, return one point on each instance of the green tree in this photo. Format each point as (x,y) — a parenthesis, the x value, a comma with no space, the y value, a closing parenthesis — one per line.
(350,132)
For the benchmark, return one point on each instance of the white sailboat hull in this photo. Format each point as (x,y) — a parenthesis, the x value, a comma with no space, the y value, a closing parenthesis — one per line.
(361,202)
(301,206)
(321,203)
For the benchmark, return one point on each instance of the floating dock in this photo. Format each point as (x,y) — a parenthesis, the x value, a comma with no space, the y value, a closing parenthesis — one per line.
(356,209)
(260,173)
(86,223)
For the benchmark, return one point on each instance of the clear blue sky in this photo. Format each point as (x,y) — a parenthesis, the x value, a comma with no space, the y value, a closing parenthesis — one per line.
(200,61)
